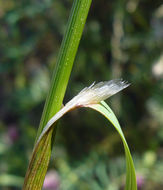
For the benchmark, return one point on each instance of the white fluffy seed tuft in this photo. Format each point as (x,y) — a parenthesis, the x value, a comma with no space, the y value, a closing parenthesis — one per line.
(98,92)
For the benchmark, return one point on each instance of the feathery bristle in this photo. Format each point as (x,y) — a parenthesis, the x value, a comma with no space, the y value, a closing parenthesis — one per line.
(98,92)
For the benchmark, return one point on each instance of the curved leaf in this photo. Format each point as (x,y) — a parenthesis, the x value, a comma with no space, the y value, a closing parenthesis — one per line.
(105,110)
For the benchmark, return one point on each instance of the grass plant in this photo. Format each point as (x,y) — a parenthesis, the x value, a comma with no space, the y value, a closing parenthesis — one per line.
(92,97)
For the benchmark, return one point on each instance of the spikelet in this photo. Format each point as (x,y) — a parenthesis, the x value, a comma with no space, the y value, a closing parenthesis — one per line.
(98,92)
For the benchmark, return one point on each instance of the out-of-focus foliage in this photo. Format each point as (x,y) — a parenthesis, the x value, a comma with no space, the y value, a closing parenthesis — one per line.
(122,39)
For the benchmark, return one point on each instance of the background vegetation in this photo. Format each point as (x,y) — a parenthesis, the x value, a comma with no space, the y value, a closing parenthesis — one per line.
(122,39)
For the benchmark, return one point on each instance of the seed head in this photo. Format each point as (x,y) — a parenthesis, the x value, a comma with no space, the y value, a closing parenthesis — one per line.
(98,92)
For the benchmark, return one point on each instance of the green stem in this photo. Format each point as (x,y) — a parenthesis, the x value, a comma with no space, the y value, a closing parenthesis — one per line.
(40,159)
(65,60)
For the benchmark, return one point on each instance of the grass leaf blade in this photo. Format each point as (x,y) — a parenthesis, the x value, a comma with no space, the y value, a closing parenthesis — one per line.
(105,110)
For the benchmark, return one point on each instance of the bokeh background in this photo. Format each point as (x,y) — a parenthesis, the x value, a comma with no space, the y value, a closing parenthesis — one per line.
(122,39)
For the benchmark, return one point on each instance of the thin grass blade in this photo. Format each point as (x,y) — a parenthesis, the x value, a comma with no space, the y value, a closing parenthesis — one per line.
(105,110)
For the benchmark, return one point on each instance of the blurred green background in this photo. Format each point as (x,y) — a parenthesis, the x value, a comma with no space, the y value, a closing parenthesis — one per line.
(122,39)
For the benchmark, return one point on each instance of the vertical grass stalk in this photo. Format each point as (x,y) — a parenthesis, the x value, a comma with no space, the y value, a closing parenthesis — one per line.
(65,60)
(39,162)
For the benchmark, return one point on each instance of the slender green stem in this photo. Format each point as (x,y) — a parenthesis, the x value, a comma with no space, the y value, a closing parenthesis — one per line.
(65,60)
(40,159)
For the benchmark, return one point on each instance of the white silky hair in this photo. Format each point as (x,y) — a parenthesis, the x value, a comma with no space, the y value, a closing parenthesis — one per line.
(98,92)
(93,94)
